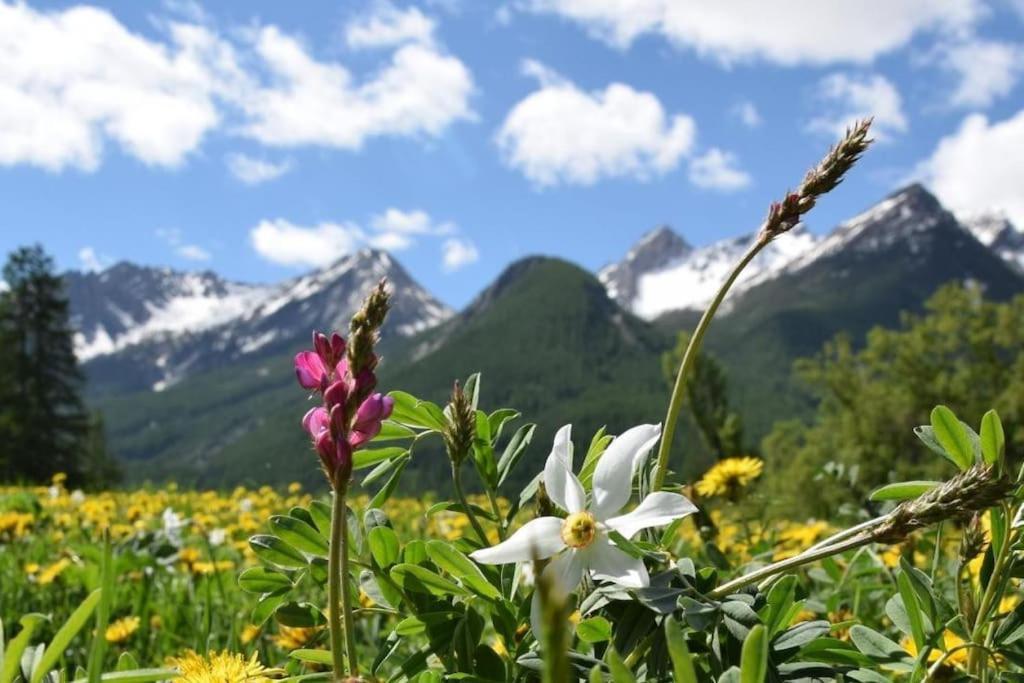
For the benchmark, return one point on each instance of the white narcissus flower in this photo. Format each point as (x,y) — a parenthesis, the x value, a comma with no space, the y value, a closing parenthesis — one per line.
(580,542)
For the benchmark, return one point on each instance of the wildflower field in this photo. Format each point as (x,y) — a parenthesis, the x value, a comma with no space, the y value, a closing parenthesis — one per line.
(607,565)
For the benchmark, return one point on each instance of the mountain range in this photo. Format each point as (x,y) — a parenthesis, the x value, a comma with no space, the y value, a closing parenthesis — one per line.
(193,372)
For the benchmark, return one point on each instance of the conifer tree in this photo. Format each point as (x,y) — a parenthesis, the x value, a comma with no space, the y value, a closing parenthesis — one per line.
(43,420)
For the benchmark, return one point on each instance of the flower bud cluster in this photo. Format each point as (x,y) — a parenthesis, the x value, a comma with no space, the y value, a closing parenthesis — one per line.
(352,413)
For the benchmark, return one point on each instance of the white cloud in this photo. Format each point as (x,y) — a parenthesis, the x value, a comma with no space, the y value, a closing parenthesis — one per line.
(848,97)
(785,32)
(561,134)
(987,70)
(457,253)
(91,261)
(747,113)
(308,102)
(193,252)
(285,243)
(74,79)
(978,168)
(718,170)
(253,171)
(388,26)
(174,239)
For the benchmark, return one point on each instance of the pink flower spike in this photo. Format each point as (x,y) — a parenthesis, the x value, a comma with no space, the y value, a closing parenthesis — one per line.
(325,446)
(336,394)
(316,421)
(322,347)
(310,370)
(364,434)
(337,346)
(371,410)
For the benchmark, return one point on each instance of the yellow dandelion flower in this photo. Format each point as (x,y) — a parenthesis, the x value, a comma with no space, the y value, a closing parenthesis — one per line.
(50,574)
(950,641)
(294,487)
(729,477)
(122,629)
(31,568)
(250,633)
(218,667)
(289,638)
(156,622)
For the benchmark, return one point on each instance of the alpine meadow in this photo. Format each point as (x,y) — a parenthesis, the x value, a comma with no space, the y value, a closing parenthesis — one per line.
(333,346)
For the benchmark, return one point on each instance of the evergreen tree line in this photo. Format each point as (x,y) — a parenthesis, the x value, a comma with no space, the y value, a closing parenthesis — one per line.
(962,351)
(45,426)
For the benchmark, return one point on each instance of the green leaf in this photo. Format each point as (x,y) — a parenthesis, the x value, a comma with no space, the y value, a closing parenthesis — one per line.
(65,634)
(298,615)
(409,410)
(682,661)
(779,600)
(264,609)
(262,580)
(878,647)
(322,657)
(904,490)
(514,451)
(362,459)
(126,662)
(273,550)
(384,546)
(299,535)
(754,656)
(450,506)
(392,431)
(137,676)
(910,604)
(392,483)
(320,511)
(625,545)
(411,626)
(12,656)
(620,672)
(598,444)
(462,568)
(594,630)
(421,580)
(953,437)
(993,440)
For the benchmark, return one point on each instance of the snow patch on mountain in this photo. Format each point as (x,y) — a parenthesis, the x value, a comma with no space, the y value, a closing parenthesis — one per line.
(690,278)
(995,230)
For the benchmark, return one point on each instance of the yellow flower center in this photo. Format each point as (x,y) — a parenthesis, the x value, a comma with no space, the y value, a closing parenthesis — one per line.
(578,529)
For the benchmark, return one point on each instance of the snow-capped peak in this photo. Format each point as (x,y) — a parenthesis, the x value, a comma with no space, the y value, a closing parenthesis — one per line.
(995,230)
(653,279)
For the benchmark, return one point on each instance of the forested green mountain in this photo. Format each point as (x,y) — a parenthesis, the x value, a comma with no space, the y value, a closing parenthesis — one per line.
(551,343)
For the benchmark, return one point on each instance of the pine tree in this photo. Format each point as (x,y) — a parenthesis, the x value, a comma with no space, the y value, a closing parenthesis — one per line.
(43,420)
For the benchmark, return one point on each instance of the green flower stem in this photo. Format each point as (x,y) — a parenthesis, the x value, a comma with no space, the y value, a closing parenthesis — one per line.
(502,533)
(343,640)
(461,495)
(803,558)
(675,404)
(992,590)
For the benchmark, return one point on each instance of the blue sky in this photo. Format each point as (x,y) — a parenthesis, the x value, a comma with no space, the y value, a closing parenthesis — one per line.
(260,139)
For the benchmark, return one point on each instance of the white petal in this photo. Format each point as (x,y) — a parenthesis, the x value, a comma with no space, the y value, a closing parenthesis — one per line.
(613,477)
(657,509)
(607,562)
(538,539)
(565,572)
(562,485)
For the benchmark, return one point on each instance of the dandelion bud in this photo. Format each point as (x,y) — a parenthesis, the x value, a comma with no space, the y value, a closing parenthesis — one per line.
(460,429)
